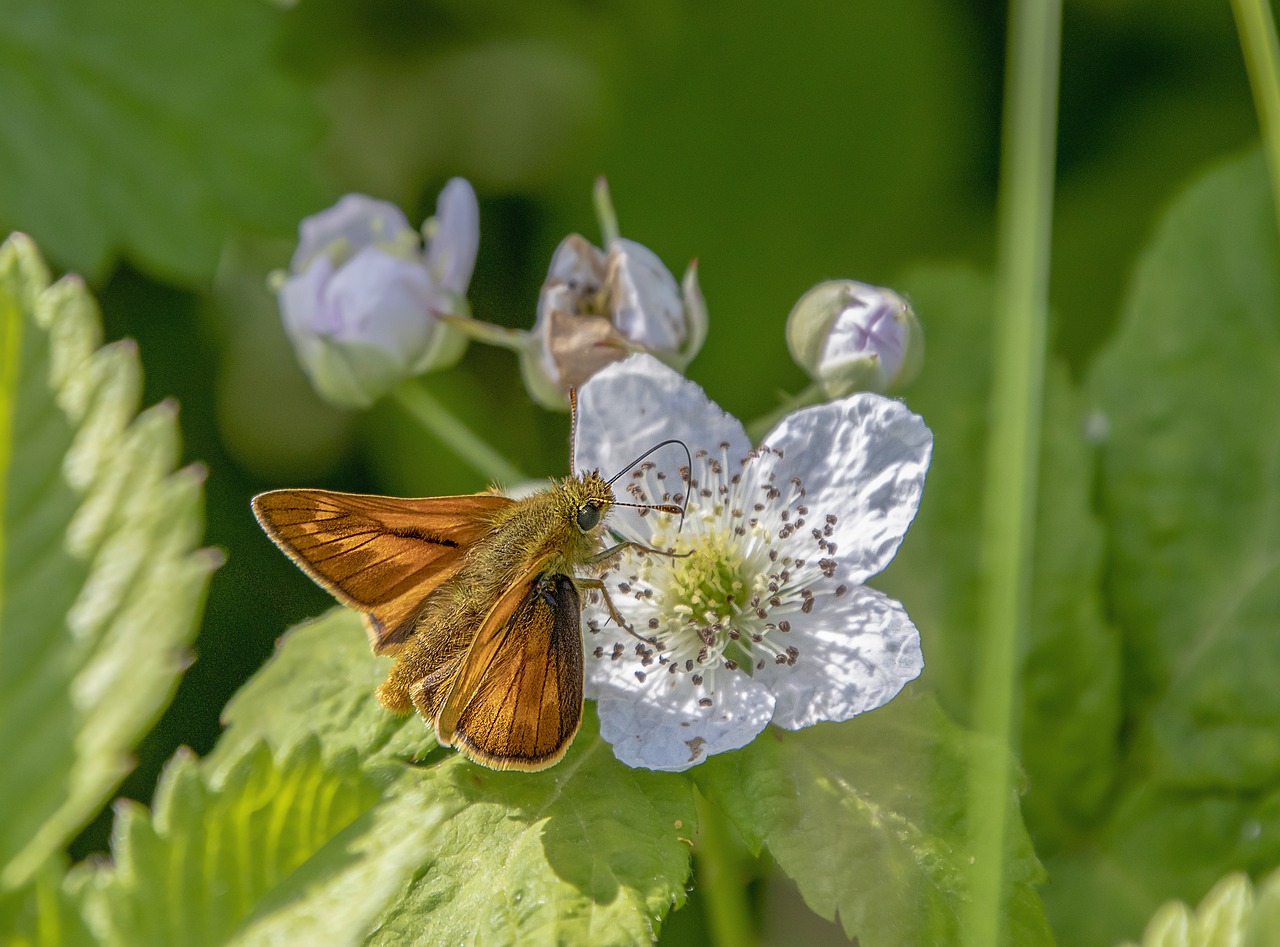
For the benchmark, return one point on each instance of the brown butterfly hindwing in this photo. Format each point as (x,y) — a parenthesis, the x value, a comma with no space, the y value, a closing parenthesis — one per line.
(516,701)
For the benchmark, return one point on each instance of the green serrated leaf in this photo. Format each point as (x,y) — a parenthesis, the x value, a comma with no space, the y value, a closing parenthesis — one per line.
(263,850)
(150,129)
(588,851)
(868,817)
(41,914)
(101,582)
(1264,925)
(1233,914)
(1071,667)
(1190,390)
(320,683)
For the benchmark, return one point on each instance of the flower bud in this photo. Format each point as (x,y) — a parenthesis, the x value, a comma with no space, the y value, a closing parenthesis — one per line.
(596,308)
(851,336)
(362,300)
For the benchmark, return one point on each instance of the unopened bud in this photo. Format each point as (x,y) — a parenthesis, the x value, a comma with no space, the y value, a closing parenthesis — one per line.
(851,336)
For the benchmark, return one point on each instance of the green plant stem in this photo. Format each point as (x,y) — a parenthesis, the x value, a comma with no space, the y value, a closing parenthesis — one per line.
(10,349)
(1009,499)
(762,425)
(445,427)
(1262,60)
(721,879)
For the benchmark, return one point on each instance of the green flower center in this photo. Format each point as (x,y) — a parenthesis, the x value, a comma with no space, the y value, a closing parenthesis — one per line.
(711,584)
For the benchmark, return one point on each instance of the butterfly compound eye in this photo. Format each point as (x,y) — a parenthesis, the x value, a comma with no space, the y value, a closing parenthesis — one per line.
(588,517)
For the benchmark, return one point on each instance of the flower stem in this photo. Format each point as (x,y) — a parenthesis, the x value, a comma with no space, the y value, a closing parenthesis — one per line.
(605,213)
(762,425)
(1009,501)
(721,879)
(440,423)
(1262,60)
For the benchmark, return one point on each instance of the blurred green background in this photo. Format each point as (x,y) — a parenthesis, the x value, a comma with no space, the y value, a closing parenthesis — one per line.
(168,151)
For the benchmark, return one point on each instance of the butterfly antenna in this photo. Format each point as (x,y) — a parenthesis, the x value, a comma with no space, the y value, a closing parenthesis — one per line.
(653,449)
(573,432)
(664,507)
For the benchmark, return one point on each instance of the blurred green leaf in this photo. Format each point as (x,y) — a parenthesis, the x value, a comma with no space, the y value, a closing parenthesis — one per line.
(1190,389)
(101,581)
(149,129)
(1071,669)
(835,133)
(1071,665)
(510,111)
(869,818)
(286,850)
(588,851)
(935,574)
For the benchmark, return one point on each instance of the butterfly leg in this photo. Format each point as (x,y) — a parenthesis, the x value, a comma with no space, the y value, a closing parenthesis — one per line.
(599,586)
(606,556)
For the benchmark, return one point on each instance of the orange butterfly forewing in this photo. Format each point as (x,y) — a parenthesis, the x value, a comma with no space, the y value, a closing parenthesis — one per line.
(380,555)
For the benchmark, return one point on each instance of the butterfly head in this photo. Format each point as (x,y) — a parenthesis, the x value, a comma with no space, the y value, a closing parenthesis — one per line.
(590,499)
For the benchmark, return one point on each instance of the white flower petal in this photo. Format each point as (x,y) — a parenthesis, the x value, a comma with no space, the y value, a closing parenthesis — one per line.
(862,458)
(578,263)
(646,299)
(304,307)
(451,258)
(355,222)
(856,652)
(385,301)
(606,676)
(637,403)
(664,728)
(554,297)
